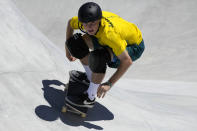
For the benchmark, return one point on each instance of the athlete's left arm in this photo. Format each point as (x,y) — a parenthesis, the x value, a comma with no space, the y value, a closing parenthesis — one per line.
(125,63)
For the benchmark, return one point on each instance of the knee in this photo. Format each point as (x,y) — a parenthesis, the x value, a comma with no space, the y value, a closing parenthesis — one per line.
(98,60)
(77,46)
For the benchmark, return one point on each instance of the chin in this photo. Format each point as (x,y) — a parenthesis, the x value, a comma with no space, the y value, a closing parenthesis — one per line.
(91,33)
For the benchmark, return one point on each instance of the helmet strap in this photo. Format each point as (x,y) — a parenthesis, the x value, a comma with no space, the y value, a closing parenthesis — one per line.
(81,29)
(98,28)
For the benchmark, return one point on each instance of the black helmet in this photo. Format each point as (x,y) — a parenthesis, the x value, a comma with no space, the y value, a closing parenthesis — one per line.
(89,11)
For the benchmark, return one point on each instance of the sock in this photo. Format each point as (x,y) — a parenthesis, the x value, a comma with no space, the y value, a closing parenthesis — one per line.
(88,72)
(92,90)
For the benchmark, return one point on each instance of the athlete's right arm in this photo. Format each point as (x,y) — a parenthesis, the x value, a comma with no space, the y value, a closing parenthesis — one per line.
(69,33)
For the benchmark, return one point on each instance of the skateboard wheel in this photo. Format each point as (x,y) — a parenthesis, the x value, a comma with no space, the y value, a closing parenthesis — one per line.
(83,115)
(64,109)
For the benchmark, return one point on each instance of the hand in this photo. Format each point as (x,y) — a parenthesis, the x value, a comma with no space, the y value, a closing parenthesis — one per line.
(70,57)
(102,90)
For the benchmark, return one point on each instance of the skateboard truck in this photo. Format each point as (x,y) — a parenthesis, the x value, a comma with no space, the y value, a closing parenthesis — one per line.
(69,108)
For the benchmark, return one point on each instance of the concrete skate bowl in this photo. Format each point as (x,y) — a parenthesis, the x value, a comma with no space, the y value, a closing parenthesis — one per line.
(157,93)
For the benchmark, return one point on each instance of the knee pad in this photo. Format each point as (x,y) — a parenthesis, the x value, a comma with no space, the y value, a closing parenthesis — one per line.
(77,46)
(98,60)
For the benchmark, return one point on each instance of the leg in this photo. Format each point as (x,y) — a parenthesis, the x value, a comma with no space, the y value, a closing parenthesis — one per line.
(98,77)
(84,60)
(94,77)
(97,63)
(89,44)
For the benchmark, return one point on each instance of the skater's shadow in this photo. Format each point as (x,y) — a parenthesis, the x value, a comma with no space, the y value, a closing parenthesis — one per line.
(55,98)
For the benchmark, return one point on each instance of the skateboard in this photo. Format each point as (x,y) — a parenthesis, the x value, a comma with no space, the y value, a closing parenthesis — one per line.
(73,89)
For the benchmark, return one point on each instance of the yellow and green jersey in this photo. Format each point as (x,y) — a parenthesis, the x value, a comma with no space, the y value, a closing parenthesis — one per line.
(114,32)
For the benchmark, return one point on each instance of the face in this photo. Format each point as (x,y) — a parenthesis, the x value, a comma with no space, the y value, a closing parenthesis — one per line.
(91,27)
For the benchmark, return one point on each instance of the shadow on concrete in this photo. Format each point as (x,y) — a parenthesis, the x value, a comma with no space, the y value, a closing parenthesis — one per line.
(55,98)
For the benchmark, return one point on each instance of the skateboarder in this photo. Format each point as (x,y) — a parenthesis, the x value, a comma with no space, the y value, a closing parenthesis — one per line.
(108,40)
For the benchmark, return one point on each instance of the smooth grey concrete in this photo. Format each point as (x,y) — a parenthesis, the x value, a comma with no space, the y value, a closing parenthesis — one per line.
(158,93)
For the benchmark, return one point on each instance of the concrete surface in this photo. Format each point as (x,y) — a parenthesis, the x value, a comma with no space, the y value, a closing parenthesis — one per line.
(159,93)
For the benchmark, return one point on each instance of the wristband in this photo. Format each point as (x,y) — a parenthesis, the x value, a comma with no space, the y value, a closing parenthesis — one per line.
(108,83)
